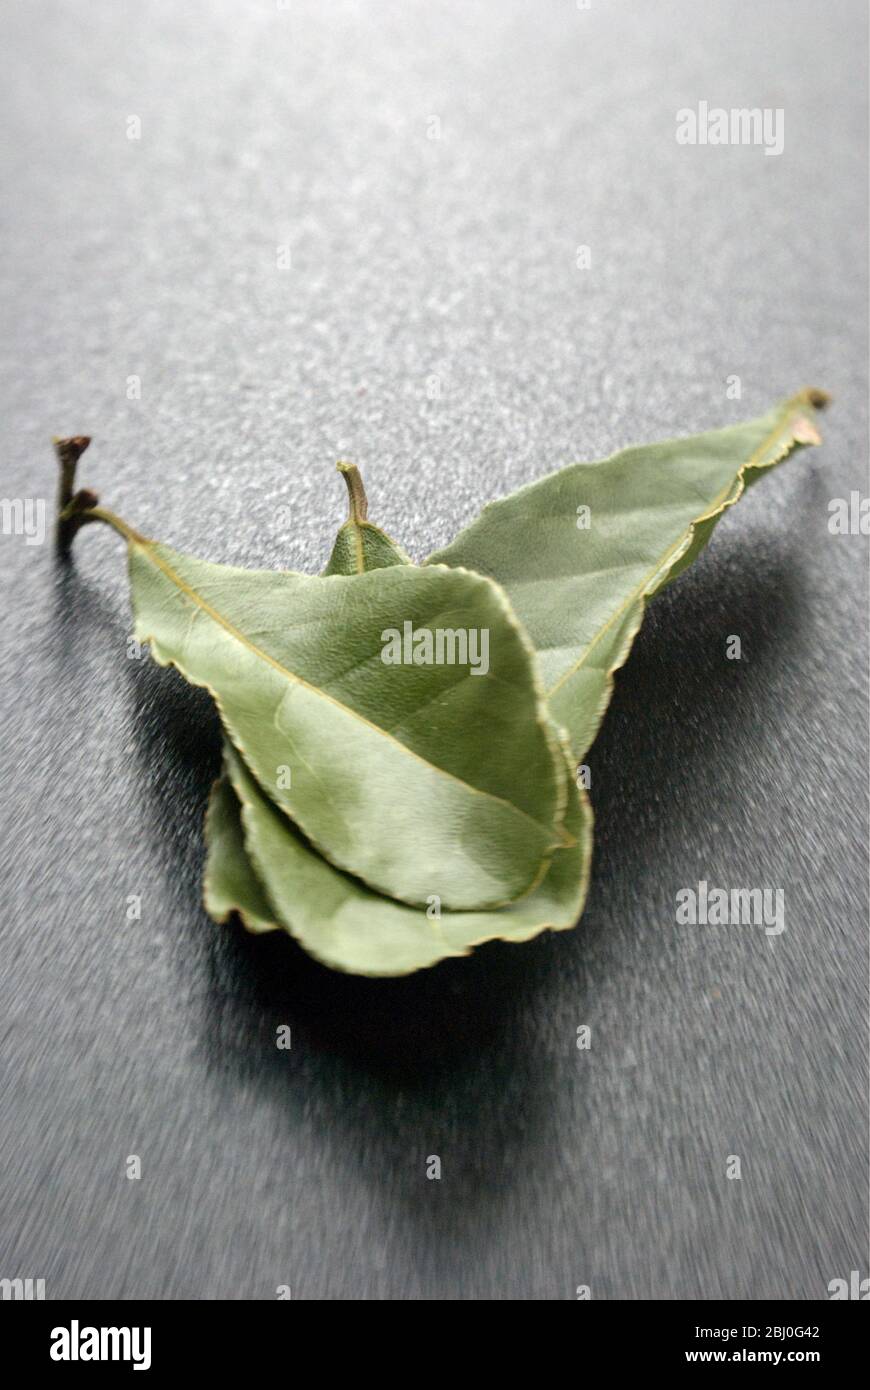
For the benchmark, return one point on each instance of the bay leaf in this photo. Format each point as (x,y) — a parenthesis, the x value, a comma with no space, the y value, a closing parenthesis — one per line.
(581,551)
(332,915)
(230,883)
(346,925)
(420,779)
(360,545)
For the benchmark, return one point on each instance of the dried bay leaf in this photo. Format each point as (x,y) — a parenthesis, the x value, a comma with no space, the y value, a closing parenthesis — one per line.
(230,882)
(360,545)
(270,875)
(580,589)
(345,925)
(419,779)
(333,916)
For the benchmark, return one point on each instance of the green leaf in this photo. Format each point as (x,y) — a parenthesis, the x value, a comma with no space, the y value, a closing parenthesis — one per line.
(229,881)
(420,779)
(360,546)
(362,932)
(580,591)
(345,925)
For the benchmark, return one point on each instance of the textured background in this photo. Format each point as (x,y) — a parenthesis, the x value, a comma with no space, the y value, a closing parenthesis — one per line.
(415,258)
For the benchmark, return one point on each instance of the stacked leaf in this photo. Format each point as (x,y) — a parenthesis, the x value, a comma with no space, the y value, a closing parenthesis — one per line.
(392,810)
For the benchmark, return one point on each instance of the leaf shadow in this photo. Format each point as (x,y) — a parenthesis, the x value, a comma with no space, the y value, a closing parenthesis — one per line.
(682,711)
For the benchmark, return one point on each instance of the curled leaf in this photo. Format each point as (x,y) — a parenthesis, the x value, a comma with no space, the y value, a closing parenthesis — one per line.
(230,883)
(345,925)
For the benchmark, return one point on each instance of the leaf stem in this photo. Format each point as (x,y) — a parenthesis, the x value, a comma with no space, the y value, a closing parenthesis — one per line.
(358,505)
(68,452)
(85,513)
(76,509)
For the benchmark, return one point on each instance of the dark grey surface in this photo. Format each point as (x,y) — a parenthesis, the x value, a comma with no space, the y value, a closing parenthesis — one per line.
(413,258)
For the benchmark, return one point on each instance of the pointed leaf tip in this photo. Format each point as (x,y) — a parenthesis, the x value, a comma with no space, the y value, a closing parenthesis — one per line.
(580,552)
